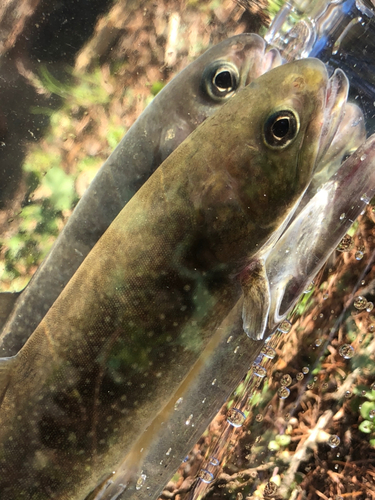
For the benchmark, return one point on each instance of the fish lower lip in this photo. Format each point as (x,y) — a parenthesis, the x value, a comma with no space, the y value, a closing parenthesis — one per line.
(337,93)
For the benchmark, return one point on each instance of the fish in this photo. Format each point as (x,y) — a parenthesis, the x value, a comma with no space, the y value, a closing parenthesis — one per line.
(314,234)
(194,94)
(143,306)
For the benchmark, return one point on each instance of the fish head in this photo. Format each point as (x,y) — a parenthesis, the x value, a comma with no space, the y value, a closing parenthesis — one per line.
(273,133)
(209,82)
(290,107)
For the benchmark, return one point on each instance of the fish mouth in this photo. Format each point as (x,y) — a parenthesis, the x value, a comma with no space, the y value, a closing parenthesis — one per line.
(336,97)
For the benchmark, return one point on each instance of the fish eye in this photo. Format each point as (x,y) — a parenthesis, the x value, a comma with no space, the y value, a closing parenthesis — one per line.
(281,128)
(220,80)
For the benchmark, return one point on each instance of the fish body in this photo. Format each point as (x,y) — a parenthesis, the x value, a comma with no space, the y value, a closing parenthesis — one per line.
(193,95)
(145,303)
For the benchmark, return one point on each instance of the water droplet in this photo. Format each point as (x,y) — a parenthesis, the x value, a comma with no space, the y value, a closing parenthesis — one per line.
(169,451)
(236,349)
(324,386)
(371,414)
(285,326)
(140,482)
(366,199)
(178,403)
(359,255)
(371,328)
(259,370)
(299,376)
(346,244)
(188,421)
(268,352)
(305,370)
(318,342)
(283,392)
(235,417)
(363,157)
(342,216)
(270,489)
(348,394)
(310,385)
(325,295)
(333,441)
(259,417)
(346,351)
(286,380)
(309,288)
(229,339)
(214,381)
(214,461)
(360,302)
(369,307)
(206,476)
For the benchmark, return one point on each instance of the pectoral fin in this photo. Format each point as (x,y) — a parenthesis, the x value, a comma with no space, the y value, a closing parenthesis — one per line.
(7,301)
(257,300)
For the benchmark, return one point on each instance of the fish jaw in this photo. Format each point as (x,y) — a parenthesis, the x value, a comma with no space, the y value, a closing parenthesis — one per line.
(319,228)
(337,94)
(350,135)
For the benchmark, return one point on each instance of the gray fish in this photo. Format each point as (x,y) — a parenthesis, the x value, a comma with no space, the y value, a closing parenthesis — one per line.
(140,310)
(193,95)
(314,234)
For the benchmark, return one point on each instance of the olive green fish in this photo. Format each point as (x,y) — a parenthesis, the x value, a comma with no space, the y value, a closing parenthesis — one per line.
(142,307)
(193,95)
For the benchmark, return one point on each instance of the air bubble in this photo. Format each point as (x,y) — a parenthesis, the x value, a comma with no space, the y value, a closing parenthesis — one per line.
(229,339)
(140,482)
(235,417)
(369,307)
(259,370)
(270,489)
(286,380)
(333,441)
(318,342)
(283,392)
(346,351)
(366,199)
(348,394)
(285,326)
(178,403)
(346,244)
(363,157)
(371,414)
(309,288)
(360,302)
(300,376)
(342,216)
(359,255)
(206,476)
(305,370)
(214,461)
(259,417)
(188,421)
(268,352)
